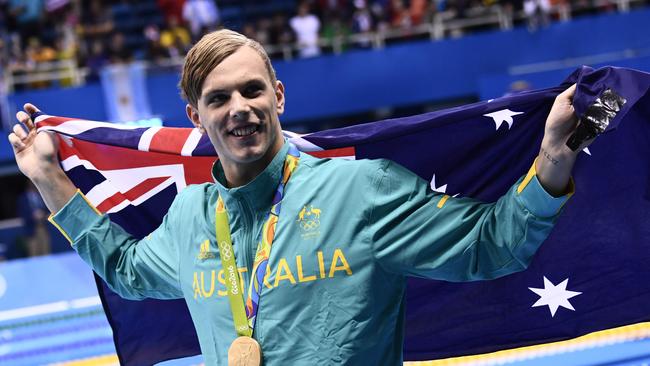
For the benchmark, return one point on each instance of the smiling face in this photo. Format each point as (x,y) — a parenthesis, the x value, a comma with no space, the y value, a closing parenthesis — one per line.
(239,107)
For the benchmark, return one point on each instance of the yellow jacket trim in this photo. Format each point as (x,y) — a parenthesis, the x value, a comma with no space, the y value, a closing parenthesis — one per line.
(51,217)
(529,176)
(51,220)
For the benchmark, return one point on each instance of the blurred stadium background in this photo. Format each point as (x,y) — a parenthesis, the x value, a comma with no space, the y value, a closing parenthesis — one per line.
(342,61)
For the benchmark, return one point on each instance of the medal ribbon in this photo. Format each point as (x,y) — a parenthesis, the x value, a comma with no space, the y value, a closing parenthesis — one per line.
(244,315)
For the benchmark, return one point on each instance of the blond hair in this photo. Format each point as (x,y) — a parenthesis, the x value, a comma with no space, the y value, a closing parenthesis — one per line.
(209,52)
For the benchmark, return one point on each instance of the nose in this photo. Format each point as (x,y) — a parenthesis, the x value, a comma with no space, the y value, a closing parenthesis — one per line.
(239,108)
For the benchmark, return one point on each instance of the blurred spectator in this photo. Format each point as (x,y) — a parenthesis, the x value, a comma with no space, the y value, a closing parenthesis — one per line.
(96,23)
(262,31)
(84,30)
(66,52)
(279,33)
(4,54)
(332,8)
(379,11)
(28,15)
(118,52)
(55,5)
(400,16)
(96,60)
(6,21)
(335,32)
(459,7)
(155,51)
(563,7)
(37,52)
(537,13)
(34,214)
(67,29)
(249,31)
(306,26)
(175,39)
(417,11)
(172,9)
(202,16)
(7,28)
(19,64)
(362,23)
(509,8)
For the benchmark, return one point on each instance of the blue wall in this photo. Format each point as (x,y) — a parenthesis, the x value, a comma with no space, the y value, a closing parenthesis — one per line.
(493,85)
(404,74)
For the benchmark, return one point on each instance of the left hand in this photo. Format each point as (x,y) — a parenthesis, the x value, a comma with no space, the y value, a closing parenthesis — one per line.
(555,160)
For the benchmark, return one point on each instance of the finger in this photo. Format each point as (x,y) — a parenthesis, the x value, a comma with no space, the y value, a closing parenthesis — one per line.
(30,108)
(568,93)
(19,131)
(23,118)
(15,142)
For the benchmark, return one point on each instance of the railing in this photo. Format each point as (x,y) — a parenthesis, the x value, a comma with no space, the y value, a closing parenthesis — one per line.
(442,25)
(37,74)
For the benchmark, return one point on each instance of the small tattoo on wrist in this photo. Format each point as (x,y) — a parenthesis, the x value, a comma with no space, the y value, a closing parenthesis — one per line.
(549,157)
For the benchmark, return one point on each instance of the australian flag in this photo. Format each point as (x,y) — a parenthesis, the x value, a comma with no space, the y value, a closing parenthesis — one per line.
(590,274)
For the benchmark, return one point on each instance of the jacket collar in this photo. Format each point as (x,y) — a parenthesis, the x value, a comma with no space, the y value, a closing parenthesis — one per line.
(259,192)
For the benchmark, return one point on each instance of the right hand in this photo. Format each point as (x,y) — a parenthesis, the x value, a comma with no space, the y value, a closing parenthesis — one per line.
(36,153)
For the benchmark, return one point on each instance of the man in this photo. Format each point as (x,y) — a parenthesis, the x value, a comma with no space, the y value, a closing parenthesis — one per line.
(306,26)
(200,15)
(344,234)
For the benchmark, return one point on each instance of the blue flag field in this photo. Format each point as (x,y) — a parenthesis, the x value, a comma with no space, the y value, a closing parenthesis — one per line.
(591,273)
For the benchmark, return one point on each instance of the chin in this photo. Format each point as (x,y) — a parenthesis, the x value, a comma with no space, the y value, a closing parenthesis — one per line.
(250,154)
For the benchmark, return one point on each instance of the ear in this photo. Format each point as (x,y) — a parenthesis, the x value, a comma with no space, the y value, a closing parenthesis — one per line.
(279,96)
(193,116)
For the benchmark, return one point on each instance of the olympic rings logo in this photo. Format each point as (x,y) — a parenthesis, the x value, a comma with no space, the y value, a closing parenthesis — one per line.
(309,225)
(225,250)
(243,328)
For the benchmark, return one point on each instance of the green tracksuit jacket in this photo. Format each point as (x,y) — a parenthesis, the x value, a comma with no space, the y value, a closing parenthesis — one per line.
(348,235)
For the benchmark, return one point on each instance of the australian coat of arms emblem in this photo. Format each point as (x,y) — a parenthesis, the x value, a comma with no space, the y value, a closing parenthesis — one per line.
(309,220)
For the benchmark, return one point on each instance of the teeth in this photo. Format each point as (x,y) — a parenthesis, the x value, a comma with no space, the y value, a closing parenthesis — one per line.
(244,131)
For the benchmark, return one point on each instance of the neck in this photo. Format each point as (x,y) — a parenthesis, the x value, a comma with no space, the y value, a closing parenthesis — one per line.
(240,174)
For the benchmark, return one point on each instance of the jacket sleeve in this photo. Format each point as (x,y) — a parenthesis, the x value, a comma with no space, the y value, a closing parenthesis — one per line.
(415,231)
(134,269)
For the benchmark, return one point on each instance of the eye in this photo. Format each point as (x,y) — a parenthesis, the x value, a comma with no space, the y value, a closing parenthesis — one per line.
(218,99)
(253,90)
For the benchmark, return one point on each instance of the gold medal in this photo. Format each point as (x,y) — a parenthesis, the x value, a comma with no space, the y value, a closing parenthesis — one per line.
(244,351)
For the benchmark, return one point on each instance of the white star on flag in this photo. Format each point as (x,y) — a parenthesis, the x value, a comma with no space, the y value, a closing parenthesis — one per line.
(554,296)
(504,115)
(441,189)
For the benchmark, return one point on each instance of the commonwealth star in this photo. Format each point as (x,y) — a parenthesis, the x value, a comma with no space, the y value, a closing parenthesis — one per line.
(554,296)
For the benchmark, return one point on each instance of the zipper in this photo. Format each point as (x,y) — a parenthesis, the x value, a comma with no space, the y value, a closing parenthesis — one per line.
(247,245)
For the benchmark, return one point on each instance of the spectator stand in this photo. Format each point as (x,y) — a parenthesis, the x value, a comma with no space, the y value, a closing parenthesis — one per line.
(362,25)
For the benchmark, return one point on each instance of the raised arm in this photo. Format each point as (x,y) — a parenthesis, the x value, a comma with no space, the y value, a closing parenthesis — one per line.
(36,156)
(555,160)
(133,268)
(415,231)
